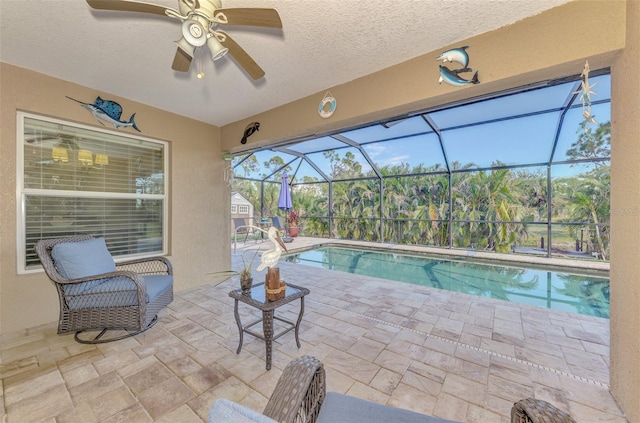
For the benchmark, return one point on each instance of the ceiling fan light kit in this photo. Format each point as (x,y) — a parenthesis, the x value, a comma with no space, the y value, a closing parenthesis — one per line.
(200,20)
(215,46)
(194,33)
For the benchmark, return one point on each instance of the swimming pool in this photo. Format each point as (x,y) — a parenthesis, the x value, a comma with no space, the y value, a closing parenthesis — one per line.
(584,294)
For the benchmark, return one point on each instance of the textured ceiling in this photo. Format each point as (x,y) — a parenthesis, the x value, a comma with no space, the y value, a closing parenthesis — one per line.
(323,43)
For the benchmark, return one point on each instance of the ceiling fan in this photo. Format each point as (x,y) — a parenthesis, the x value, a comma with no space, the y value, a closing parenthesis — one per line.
(200,20)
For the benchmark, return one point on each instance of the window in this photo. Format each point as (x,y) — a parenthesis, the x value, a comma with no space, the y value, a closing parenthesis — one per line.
(243,209)
(234,209)
(74,179)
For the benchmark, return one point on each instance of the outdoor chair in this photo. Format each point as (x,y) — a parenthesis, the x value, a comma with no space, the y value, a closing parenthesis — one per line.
(279,224)
(300,396)
(97,294)
(241,227)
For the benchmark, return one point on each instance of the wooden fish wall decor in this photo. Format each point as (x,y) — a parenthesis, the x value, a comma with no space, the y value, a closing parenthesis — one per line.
(108,111)
(452,76)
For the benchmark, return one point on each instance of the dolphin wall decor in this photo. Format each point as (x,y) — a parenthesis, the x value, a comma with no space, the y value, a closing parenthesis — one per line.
(108,111)
(452,76)
(458,55)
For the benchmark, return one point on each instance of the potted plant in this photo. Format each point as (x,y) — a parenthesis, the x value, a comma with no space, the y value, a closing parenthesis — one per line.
(293,220)
(245,274)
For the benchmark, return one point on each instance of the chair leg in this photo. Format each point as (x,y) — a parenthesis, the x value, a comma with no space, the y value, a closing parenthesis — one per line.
(98,338)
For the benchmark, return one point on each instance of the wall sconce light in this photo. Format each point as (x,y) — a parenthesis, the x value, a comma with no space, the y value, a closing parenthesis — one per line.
(59,154)
(102,159)
(85,157)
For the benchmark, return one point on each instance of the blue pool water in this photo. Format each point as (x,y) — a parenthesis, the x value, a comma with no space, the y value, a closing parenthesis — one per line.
(552,289)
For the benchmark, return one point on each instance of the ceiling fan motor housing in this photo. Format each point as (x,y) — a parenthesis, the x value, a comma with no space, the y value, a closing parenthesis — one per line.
(204,7)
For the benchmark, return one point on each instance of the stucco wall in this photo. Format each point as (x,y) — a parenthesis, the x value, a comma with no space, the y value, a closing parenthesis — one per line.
(198,198)
(625,220)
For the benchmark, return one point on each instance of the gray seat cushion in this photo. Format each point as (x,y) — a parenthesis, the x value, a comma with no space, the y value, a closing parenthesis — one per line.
(346,409)
(118,292)
(225,411)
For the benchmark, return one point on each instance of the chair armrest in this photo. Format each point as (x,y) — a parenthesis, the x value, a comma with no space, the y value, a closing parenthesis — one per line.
(299,392)
(158,265)
(537,411)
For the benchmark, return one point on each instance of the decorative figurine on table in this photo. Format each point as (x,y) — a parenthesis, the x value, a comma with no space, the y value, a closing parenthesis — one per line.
(274,286)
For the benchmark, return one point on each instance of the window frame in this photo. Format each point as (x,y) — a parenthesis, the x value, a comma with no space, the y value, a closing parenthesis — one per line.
(22,192)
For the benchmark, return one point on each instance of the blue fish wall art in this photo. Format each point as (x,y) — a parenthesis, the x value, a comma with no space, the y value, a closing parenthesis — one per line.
(108,111)
(452,76)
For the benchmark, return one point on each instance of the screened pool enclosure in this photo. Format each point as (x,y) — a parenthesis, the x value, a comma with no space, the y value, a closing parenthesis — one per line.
(517,172)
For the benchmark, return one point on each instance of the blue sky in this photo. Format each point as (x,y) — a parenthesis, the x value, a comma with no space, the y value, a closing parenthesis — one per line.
(480,133)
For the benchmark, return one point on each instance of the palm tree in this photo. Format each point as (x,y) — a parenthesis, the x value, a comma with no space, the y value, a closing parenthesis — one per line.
(591,203)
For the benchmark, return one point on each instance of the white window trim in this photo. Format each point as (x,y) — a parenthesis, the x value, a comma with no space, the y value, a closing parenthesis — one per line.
(243,209)
(21,192)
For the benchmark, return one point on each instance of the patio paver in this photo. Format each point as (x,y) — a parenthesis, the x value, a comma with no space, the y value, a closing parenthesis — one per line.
(448,354)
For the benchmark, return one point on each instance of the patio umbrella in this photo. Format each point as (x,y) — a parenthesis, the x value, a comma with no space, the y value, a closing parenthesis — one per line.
(285,203)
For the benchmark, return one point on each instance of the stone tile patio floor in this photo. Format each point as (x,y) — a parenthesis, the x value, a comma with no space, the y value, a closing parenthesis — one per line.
(442,353)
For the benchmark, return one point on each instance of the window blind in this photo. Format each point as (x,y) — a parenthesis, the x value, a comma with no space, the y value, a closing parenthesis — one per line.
(80,180)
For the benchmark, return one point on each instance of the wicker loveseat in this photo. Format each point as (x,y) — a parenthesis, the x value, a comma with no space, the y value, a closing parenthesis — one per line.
(300,396)
(96,294)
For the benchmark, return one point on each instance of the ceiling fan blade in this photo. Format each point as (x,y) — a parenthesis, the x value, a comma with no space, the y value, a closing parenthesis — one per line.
(252,16)
(181,61)
(242,57)
(128,6)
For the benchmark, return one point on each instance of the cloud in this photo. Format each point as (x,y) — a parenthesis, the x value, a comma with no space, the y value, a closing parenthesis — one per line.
(397,160)
(374,150)
(378,153)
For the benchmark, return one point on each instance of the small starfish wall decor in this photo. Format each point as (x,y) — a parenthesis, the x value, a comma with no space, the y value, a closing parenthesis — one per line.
(585,97)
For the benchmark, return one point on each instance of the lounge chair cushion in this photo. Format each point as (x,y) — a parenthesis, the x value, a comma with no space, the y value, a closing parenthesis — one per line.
(156,285)
(346,409)
(225,411)
(83,258)
(103,293)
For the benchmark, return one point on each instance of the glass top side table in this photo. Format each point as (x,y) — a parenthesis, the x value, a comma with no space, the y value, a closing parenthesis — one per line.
(257,298)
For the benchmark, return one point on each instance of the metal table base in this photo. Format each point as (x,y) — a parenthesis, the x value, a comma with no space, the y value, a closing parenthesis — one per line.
(257,298)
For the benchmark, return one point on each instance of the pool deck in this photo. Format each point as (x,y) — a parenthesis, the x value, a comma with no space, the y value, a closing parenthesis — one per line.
(447,354)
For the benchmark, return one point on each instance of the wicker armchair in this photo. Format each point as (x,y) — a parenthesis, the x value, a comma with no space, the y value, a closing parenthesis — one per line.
(537,411)
(300,397)
(299,392)
(126,296)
